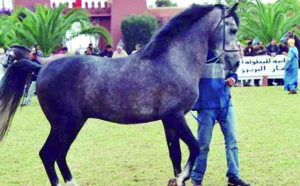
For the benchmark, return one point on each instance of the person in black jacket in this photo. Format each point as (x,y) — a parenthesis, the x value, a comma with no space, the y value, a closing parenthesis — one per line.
(273,49)
(90,51)
(31,87)
(249,50)
(107,52)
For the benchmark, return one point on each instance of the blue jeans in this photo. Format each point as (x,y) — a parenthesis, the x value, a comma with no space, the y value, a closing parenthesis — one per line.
(31,92)
(207,119)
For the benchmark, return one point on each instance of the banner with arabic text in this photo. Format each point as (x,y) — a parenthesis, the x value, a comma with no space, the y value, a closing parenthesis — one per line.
(262,66)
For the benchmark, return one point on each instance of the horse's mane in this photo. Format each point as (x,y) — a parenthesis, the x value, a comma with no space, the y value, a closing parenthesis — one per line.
(177,25)
(21,47)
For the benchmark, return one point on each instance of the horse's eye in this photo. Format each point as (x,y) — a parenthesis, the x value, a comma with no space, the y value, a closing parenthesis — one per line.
(11,53)
(233,31)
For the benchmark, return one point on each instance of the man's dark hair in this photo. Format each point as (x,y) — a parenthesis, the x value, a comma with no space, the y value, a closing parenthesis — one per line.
(108,46)
(36,45)
(250,43)
(65,48)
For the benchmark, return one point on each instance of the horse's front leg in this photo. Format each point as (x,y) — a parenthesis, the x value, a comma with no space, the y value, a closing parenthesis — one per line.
(175,129)
(174,147)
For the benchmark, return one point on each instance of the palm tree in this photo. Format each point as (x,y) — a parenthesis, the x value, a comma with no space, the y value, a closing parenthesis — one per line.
(46,27)
(268,21)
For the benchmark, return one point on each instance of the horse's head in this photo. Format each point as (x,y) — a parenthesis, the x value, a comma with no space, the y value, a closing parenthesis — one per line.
(223,39)
(290,34)
(7,58)
(13,54)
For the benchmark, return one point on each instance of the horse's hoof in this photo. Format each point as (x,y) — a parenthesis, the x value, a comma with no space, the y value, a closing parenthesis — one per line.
(173,182)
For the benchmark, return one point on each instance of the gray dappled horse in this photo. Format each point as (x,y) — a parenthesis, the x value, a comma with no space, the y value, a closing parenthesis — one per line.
(160,82)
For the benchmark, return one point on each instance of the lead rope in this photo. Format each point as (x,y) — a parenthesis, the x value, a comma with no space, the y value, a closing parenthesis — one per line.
(216,57)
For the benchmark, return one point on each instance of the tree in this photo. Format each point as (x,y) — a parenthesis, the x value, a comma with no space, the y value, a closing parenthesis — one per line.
(138,29)
(165,3)
(45,27)
(268,21)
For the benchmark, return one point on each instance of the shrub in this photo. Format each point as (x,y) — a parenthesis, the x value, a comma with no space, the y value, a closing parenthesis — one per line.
(138,29)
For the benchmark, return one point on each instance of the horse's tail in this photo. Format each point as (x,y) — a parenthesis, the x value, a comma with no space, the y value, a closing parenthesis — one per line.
(12,89)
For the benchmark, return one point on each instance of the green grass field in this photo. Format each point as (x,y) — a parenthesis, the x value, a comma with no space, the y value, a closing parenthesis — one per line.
(107,154)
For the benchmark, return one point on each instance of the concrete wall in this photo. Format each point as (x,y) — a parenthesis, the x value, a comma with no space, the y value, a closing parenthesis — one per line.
(163,14)
(120,9)
(30,3)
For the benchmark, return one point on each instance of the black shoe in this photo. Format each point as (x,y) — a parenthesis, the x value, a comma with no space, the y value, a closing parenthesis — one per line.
(237,182)
(197,183)
(293,92)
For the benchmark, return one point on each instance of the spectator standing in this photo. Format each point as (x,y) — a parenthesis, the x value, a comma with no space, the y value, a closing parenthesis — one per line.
(261,50)
(32,86)
(64,50)
(91,47)
(119,53)
(107,52)
(89,51)
(283,48)
(137,48)
(291,69)
(273,49)
(249,50)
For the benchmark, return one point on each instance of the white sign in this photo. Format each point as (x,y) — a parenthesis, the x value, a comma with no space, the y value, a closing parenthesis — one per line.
(259,66)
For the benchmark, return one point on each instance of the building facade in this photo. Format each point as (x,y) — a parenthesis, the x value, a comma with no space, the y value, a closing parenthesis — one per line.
(111,14)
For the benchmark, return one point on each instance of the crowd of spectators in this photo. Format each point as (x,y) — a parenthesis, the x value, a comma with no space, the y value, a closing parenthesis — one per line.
(259,49)
(108,51)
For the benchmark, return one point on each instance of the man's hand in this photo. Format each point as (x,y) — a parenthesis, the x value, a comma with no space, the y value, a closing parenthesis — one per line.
(230,81)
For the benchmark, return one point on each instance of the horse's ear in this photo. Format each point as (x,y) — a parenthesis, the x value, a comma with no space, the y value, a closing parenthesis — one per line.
(231,10)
